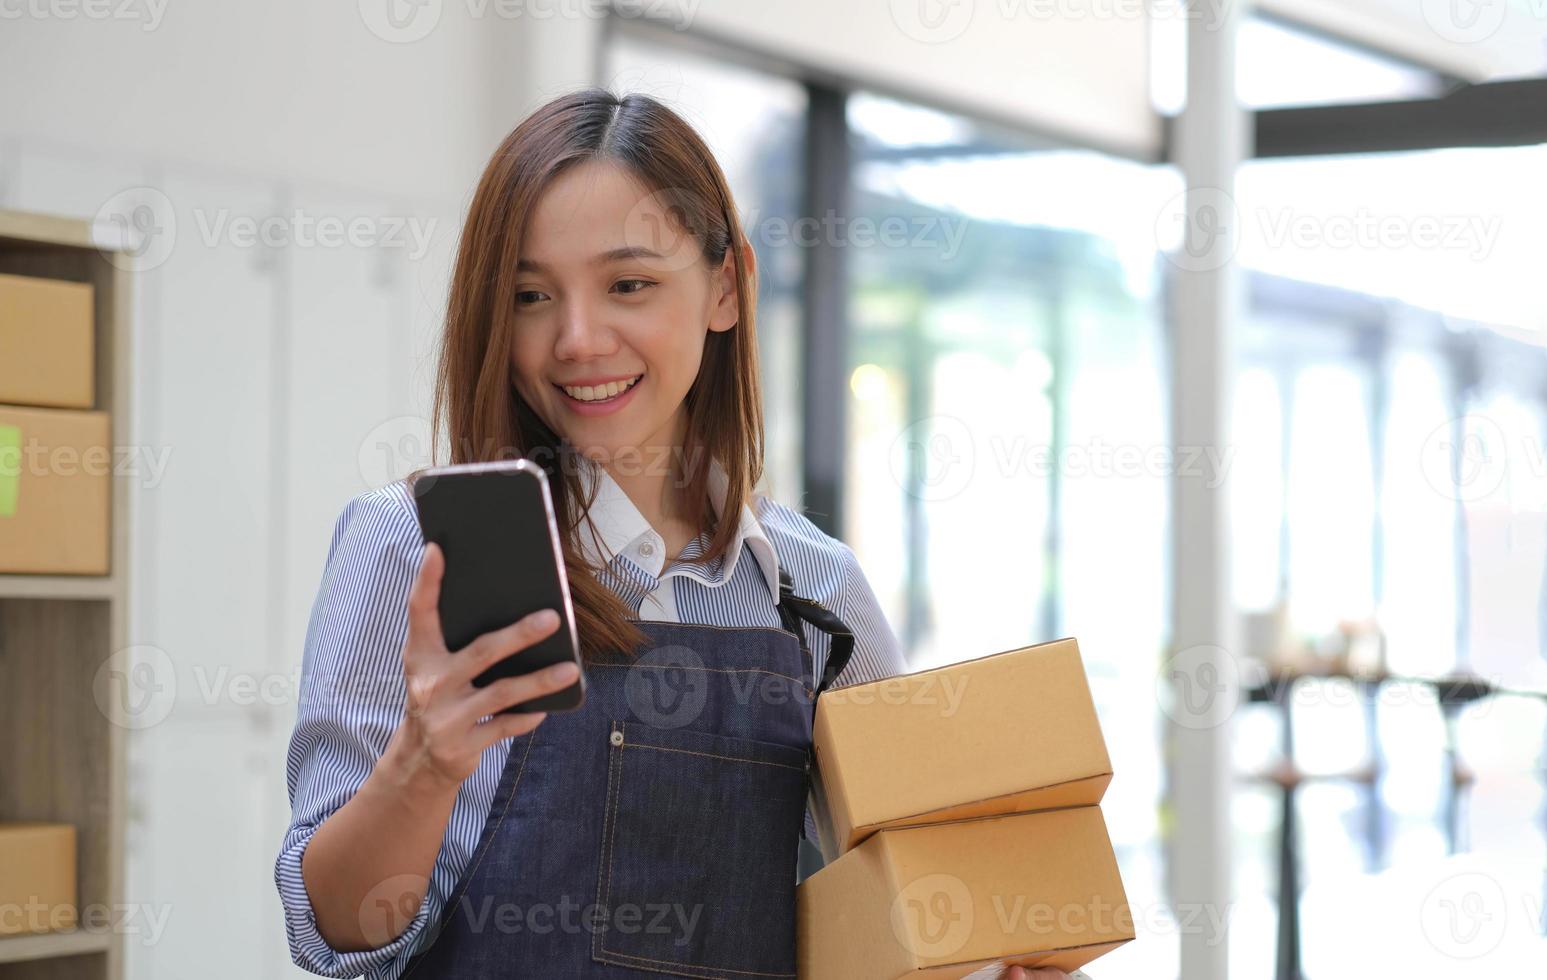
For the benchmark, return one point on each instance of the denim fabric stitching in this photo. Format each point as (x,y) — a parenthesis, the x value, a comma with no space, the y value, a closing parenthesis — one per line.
(601,953)
(718,629)
(604,889)
(711,755)
(483,851)
(713,670)
(626,959)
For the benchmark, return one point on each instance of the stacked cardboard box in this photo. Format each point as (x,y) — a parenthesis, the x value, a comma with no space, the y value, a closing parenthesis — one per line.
(55,460)
(37,890)
(959,819)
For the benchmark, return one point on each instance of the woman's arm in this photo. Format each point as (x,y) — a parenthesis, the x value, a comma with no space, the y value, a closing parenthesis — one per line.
(364,897)
(389,726)
(368,867)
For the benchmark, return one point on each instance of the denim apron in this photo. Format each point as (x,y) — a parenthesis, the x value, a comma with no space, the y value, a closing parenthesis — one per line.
(655,830)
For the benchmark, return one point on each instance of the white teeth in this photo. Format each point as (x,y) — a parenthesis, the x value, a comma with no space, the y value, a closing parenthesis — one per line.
(589,393)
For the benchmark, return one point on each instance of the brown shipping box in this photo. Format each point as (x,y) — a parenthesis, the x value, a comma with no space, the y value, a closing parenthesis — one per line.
(46,343)
(945,900)
(1007,733)
(37,887)
(55,487)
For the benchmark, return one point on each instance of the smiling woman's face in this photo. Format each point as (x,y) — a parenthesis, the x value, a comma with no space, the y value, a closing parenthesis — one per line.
(613,302)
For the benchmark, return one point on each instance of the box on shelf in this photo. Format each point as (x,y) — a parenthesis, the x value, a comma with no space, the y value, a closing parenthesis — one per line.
(1007,733)
(55,490)
(37,888)
(946,900)
(46,342)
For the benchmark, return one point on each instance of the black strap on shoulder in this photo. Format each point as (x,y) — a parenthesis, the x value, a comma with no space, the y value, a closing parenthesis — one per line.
(793,609)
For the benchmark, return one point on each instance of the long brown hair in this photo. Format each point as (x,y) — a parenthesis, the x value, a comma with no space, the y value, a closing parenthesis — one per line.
(477,407)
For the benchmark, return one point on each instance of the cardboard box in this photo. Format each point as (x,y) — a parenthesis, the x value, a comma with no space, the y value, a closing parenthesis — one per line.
(46,342)
(56,471)
(37,888)
(946,900)
(1008,733)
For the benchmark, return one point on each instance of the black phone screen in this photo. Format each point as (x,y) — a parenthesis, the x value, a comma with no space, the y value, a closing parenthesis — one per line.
(494,523)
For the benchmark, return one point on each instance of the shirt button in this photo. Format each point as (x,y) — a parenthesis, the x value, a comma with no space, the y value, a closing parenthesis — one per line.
(647,549)
(617,738)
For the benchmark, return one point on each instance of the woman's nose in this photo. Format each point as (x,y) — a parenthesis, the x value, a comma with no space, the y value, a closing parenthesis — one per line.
(583,335)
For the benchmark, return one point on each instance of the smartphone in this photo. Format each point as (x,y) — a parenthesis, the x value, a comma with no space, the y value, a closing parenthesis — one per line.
(494,523)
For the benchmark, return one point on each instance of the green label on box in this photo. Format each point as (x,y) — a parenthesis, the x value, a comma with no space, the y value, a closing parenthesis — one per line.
(10,468)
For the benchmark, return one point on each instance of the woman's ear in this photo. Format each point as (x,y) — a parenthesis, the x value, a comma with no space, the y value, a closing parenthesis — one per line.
(727,311)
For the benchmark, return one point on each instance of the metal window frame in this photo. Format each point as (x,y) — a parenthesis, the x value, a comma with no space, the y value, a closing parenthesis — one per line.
(1485,115)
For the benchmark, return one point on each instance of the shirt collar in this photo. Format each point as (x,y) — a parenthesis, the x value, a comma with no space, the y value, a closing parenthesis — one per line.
(620,529)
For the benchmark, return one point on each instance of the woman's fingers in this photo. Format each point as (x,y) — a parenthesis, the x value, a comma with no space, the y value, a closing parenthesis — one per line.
(490,648)
(443,710)
(507,726)
(424,629)
(501,694)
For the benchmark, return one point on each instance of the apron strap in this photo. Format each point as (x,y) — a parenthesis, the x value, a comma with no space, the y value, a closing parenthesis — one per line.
(793,609)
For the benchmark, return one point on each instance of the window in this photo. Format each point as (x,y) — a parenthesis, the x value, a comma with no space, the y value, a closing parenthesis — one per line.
(1391,402)
(1008,417)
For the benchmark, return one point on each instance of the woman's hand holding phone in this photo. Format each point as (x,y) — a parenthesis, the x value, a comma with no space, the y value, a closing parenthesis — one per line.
(447,721)
(367,867)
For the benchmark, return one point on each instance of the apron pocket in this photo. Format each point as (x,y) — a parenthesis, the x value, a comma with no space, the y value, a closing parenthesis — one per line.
(700,841)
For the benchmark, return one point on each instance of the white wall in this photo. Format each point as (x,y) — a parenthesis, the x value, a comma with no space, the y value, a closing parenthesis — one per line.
(280,90)
(280,380)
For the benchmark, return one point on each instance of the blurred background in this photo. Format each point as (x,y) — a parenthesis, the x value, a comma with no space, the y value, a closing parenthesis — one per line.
(1210,334)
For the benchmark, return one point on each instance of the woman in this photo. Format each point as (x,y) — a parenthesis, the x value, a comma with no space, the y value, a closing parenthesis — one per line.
(601,321)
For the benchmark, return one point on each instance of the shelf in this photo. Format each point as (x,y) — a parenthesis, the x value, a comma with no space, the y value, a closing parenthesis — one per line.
(44,945)
(62,758)
(48,229)
(58,587)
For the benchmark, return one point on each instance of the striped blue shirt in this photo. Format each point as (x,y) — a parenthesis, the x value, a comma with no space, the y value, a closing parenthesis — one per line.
(352,694)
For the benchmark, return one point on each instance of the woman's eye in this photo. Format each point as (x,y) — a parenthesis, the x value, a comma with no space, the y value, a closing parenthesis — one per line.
(623,285)
(527,297)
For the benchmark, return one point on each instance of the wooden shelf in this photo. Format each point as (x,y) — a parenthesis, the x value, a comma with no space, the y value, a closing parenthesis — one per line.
(58,587)
(15,949)
(49,229)
(62,759)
